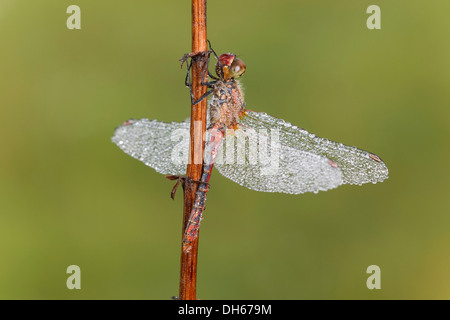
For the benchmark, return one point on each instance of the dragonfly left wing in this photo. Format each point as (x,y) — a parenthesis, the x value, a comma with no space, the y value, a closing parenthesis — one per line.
(160,145)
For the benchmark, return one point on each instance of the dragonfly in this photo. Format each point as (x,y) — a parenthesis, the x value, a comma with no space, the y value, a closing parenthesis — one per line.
(254,149)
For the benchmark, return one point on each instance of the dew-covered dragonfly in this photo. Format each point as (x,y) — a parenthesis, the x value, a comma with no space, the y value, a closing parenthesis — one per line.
(253,149)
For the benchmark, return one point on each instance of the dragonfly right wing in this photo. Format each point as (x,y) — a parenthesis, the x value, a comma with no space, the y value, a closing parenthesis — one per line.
(160,145)
(268,166)
(288,159)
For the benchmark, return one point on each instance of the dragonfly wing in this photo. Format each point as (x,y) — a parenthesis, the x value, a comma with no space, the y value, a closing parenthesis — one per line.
(160,145)
(305,162)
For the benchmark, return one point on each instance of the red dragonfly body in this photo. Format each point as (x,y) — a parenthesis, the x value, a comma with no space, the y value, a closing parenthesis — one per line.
(226,107)
(299,161)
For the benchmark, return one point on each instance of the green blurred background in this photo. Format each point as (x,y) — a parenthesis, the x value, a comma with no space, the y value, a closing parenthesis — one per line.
(70,196)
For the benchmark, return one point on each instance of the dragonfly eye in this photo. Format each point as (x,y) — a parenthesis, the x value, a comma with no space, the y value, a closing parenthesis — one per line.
(237,68)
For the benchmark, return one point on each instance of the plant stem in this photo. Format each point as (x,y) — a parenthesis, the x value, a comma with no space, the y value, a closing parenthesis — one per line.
(188,270)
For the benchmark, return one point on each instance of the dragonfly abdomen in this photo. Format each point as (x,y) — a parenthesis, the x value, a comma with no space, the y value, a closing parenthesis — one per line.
(191,231)
(217,132)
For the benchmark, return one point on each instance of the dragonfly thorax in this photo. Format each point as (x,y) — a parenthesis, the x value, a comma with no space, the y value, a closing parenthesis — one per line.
(227,103)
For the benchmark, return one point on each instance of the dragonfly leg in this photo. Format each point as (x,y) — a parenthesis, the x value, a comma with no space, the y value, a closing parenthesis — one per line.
(218,60)
(206,72)
(183,180)
(175,187)
(203,97)
(209,84)
(212,50)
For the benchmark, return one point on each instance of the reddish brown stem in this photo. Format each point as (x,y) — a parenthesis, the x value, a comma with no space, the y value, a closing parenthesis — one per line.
(188,271)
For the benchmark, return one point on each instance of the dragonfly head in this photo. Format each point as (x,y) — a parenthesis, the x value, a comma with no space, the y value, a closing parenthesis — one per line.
(229,67)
